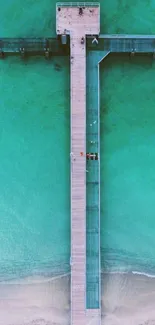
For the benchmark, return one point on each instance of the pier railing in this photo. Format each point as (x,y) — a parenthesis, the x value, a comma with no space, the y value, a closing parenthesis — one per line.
(78,4)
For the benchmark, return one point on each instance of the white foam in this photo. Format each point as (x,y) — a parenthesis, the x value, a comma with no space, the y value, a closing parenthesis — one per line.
(148,275)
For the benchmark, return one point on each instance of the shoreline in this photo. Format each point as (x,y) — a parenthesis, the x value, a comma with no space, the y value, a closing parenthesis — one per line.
(127,298)
(45,277)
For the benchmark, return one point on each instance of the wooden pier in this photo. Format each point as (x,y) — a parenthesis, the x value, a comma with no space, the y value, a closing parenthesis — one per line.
(78,21)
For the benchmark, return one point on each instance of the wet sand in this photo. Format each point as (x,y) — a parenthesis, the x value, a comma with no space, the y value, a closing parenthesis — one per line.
(127,299)
(37,301)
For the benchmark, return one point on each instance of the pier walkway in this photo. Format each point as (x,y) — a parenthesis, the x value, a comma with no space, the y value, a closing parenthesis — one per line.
(78,21)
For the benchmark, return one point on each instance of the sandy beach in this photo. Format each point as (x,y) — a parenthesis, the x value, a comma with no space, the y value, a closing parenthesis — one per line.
(35,300)
(127,299)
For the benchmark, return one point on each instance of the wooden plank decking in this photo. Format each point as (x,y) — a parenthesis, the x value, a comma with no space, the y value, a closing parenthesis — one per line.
(68,18)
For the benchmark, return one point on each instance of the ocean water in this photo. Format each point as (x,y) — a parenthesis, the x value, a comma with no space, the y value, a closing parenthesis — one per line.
(127,163)
(34,168)
(34,172)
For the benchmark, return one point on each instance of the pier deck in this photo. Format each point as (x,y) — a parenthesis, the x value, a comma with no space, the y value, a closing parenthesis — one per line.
(78,25)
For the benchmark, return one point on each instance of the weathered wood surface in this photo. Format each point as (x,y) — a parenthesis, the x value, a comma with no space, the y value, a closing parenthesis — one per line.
(78,26)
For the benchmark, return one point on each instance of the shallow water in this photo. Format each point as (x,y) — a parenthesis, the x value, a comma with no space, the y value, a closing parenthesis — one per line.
(34,164)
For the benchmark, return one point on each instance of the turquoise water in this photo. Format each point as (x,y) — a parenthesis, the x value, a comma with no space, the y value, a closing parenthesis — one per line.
(34,146)
(127,163)
(34,167)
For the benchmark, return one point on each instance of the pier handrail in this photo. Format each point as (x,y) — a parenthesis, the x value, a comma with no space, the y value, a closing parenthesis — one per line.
(78,4)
